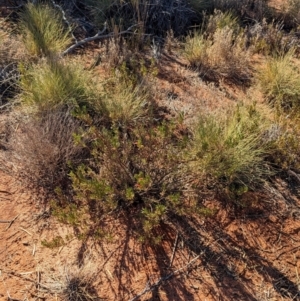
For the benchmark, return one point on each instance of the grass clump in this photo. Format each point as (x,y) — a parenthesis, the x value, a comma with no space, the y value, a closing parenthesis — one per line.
(43,30)
(51,84)
(220,54)
(73,283)
(280,82)
(285,146)
(230,151)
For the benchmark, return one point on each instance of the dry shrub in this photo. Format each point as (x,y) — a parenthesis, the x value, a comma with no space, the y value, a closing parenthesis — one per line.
(116,52)
(254,9)
(11,52)
(41,149)
(269,38)
(291,14)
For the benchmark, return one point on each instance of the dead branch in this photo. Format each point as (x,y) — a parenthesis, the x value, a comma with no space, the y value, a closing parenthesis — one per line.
(149,287)
(10,222)
(99,36)
(65,19)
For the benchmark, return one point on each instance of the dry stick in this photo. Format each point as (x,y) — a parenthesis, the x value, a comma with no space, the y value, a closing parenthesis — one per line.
(97,36)
(11,222)
(65,19)
(174,250)
(149,288)
(25,231)
(293,174)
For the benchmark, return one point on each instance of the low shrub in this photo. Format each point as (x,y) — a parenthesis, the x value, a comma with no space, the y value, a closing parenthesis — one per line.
(43,30)
(138,167)
(245,9)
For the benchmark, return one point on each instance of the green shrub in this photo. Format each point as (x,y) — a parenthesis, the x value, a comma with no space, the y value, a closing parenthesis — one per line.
(43,30)
(219,20)
(280,82)
(139,168)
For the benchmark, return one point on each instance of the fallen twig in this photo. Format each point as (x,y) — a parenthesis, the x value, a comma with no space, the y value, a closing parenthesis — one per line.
(293,174)
(174,250)
(65,19)
(97,36)
(11,222)
(25,231)
(12,273)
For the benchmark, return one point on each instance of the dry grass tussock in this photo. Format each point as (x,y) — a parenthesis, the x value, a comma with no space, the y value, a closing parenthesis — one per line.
(38,150)
(231,150)
(73,283)
(220,56)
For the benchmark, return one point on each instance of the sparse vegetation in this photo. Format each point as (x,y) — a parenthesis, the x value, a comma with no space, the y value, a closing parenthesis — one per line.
(74,283)
(130,131)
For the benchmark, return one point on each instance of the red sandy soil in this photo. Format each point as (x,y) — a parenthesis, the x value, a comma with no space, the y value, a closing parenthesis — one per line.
(248,255)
